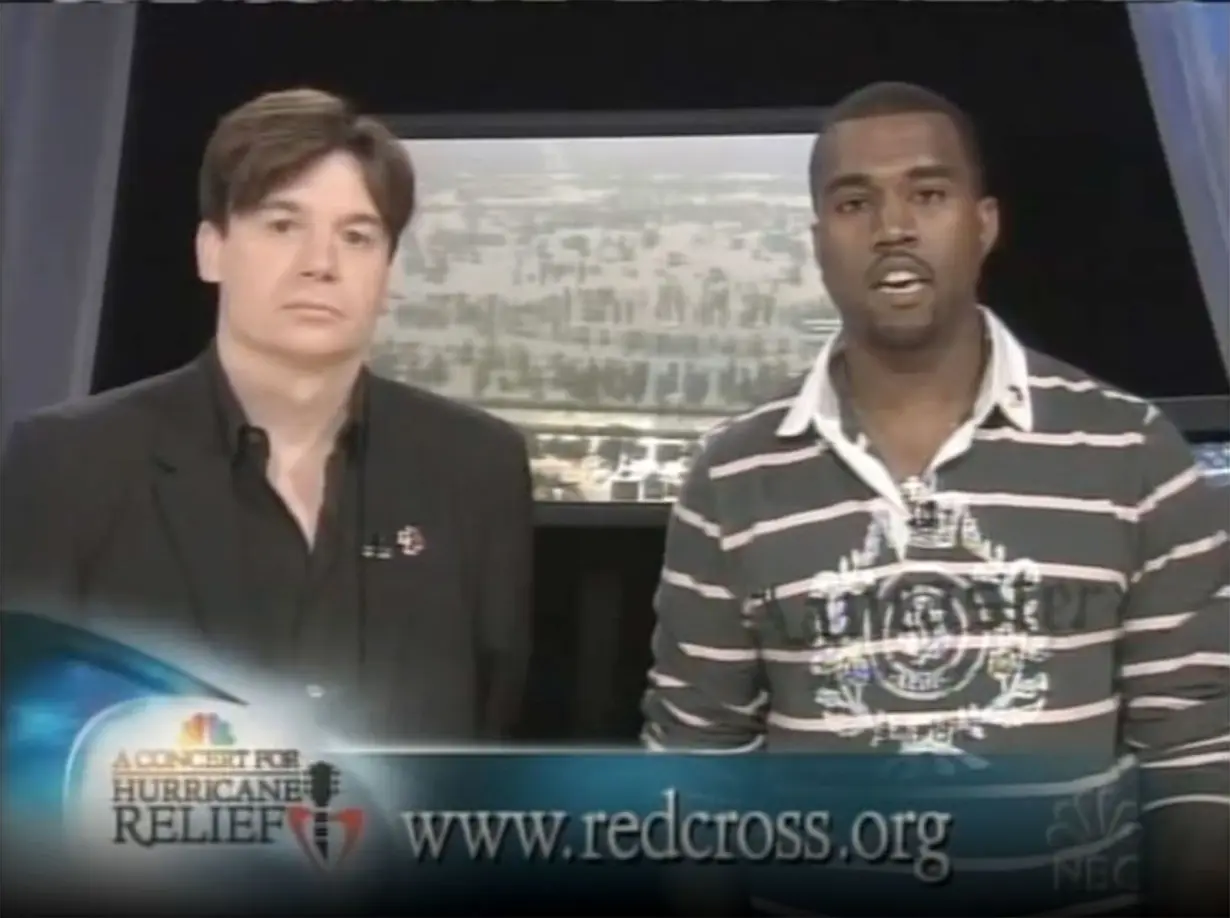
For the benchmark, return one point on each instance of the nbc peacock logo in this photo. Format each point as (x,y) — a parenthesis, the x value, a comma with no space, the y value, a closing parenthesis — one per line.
(205,730)
(205,787)
(1093,836)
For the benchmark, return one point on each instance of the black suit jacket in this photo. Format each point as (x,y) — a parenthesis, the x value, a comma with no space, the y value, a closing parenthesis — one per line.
(113,513)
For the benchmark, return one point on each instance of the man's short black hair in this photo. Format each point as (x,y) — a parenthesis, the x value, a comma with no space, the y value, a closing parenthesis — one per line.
(880,99)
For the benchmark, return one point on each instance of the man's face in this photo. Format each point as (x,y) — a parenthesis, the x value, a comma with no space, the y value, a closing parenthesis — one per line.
(304,275)
(901,229)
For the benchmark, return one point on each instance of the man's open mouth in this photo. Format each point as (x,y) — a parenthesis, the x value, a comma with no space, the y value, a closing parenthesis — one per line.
(901,282)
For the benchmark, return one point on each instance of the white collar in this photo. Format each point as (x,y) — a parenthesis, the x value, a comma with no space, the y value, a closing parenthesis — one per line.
(1005,385)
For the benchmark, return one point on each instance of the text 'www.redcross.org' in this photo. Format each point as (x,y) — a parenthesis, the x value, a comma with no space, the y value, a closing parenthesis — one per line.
(904,837)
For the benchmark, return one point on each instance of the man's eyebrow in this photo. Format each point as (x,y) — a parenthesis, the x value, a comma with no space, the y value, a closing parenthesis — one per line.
(858,181)
(848,181)
(353,219)
(362,219)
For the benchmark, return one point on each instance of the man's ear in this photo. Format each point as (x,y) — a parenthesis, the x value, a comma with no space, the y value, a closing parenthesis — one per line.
(208,252)
(988,224)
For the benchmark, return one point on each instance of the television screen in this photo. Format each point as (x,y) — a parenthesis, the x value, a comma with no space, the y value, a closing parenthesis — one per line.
(1214,461)
(615,297)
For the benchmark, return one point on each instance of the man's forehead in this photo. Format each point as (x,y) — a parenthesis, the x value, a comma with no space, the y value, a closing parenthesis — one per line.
(891,143)
(334,184)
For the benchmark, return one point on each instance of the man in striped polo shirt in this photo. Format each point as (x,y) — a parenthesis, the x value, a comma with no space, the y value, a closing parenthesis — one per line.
(943,542)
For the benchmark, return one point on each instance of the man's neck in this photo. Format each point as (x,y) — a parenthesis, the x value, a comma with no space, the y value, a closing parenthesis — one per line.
(945,377)
(299,408)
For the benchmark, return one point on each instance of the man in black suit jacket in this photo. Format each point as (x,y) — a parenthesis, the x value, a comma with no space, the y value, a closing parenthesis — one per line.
(273,503)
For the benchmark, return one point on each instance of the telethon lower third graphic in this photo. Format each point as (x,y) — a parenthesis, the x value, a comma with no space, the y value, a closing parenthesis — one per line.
(200,787)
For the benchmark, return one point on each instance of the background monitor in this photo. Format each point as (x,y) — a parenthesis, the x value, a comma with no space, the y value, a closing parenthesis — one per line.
(614,286)
(618,284)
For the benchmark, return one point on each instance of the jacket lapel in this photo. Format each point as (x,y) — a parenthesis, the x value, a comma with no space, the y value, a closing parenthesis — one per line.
(192,487)
(404,518)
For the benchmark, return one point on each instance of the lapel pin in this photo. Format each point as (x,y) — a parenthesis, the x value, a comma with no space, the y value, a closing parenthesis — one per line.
(411,541)
(376,551)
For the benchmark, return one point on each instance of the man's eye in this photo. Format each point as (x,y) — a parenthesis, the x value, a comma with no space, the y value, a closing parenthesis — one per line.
(932,195)
(851,205)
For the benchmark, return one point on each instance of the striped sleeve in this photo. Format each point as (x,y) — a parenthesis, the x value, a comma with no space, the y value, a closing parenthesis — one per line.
(705,691)
(1175,669)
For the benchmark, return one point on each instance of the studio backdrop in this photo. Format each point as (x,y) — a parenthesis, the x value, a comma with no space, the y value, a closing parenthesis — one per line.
(63,99)
(1185,52)
(64,93)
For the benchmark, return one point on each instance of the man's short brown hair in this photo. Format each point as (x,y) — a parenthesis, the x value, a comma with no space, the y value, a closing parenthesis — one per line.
(268,142)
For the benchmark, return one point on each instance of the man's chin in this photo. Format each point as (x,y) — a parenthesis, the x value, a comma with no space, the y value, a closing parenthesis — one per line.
(319,352)
(904,335)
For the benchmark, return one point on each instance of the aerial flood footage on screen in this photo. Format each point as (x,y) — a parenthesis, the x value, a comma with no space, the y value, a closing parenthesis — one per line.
(613,297)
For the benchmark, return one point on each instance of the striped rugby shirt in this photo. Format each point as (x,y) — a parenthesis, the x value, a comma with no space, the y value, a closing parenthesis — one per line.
(1056,582)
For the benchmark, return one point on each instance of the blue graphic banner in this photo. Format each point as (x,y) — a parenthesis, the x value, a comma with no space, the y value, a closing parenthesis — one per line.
(148,790)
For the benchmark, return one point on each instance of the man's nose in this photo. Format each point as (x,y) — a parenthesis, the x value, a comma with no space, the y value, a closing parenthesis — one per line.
(895,223)
(318,255)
